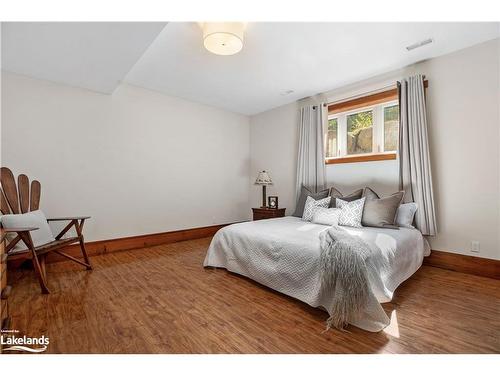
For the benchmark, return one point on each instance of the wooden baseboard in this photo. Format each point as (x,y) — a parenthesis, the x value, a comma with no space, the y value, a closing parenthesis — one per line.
(464,263)
(135,242)
(128,243)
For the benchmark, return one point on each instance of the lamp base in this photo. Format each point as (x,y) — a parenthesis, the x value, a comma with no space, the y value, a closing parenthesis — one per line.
(263,197)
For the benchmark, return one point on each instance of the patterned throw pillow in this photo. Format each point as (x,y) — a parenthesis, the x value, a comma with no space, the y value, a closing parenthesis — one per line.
(312,205)
(326,216)
(351,212)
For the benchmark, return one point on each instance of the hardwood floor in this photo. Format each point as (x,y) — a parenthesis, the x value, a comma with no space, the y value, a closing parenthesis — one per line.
(161,300)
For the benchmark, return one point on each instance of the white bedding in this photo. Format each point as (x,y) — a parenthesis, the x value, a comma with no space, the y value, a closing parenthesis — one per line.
(283,254)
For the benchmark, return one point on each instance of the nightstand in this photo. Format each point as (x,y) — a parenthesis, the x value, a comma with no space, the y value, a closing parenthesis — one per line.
(267,213)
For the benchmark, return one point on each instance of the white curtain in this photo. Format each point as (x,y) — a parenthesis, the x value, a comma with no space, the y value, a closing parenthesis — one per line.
(415,176)
(311,155)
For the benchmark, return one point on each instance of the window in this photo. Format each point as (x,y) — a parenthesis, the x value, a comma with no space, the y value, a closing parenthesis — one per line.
(360,133)
(363,129)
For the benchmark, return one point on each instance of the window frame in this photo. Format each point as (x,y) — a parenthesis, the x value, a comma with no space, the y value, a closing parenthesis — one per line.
(357,104)
(378,141)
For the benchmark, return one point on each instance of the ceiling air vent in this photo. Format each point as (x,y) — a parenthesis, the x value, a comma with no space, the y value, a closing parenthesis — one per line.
(419,44)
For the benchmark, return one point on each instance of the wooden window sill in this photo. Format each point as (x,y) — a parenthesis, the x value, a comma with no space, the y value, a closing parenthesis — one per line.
(361,158)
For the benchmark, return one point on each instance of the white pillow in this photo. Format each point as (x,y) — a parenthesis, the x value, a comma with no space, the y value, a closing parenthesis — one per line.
(405,215)
(351,212)
(326,216)
(36,219)
(312,204)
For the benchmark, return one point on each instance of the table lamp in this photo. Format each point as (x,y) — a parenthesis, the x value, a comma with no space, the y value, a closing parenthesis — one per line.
(263,179)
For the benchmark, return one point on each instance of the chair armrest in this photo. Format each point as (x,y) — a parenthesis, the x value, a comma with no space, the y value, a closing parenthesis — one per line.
(23,234)
(12,230)
(68,218)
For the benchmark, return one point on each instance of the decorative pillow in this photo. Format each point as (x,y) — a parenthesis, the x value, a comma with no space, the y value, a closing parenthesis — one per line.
(312,205)
(380,212)
(37,219)
(334,193)
(351,212)
(304,193)
(405,215)
(326,216)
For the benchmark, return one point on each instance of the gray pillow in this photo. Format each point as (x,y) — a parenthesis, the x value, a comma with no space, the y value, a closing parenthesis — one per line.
(405,215)
(380,212)
(304,193)
(36,219)
(334,193)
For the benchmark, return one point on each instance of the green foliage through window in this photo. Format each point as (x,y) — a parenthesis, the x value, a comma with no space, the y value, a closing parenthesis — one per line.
(391,113)
(360,133)
(359,121)
(331,138)
(332,124)
(391,128)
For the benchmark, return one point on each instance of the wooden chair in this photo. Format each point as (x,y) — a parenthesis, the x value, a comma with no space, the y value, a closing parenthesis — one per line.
(24,198)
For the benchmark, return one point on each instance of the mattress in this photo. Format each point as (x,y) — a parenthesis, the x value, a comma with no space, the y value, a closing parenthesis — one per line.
(283,254)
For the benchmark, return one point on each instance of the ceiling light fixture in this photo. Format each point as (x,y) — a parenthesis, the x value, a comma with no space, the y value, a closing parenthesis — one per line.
(223,38)
(419,44)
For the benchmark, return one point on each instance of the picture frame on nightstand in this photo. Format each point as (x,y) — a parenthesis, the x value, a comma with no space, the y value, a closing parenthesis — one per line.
(272,202)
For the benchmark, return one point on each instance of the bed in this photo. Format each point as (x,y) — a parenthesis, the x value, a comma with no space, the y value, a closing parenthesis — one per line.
(283,254)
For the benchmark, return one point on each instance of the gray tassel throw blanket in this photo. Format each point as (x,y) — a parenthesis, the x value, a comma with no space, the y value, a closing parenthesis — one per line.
(344,269)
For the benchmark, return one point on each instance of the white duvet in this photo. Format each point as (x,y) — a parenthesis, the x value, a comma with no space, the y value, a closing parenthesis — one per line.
(283,254)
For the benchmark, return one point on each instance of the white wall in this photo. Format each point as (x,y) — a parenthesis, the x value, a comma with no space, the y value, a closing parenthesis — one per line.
(464,119)
(464,122)
(382,176)
(273,145)
(136,161)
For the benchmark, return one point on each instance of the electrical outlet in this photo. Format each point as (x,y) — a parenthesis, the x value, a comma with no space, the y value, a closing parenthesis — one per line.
(475,246)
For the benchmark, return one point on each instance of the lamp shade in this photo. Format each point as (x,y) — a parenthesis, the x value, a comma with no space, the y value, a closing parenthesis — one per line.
(263,179)
(223,38)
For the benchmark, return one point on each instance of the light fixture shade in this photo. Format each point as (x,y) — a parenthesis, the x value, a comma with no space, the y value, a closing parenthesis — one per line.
(263,179)
(223,38)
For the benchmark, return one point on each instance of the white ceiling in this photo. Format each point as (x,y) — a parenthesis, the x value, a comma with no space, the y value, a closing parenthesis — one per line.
(91,55)
(308,58)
